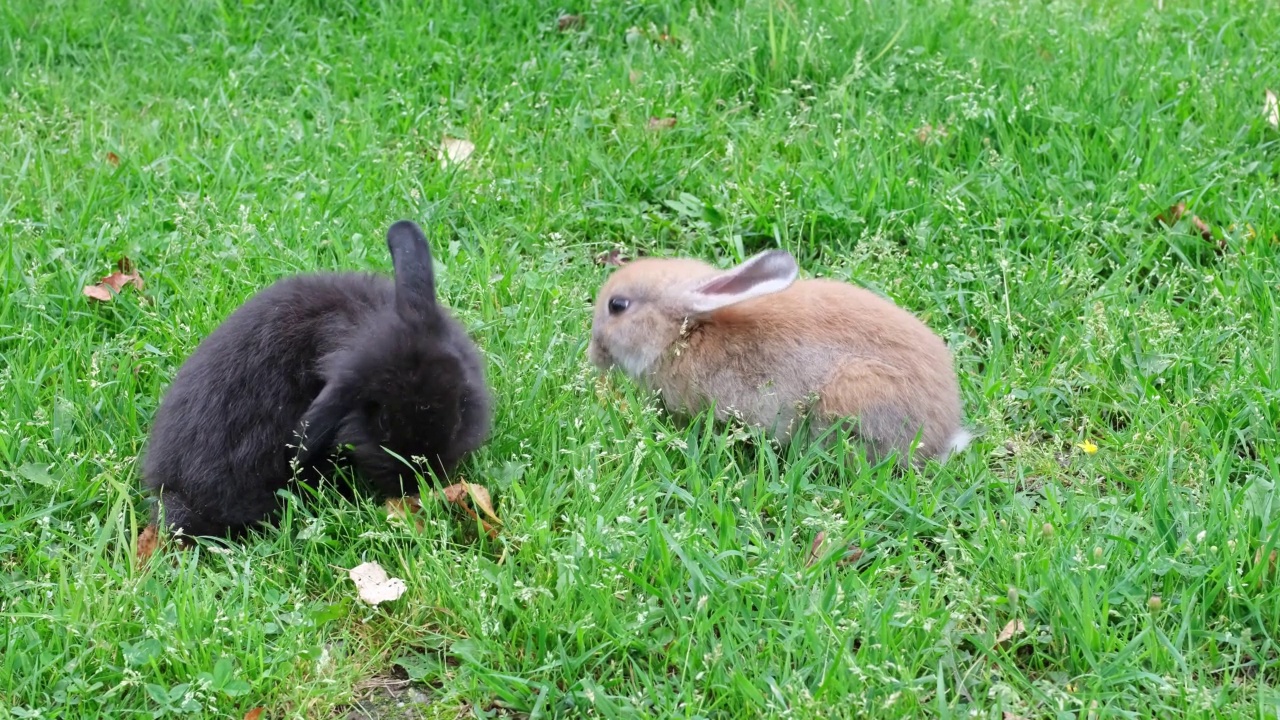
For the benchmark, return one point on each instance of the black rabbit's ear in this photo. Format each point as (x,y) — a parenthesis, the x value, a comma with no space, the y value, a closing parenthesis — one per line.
(415,280)
(323,419)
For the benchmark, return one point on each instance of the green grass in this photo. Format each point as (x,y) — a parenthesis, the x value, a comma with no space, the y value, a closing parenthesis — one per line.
(648,569)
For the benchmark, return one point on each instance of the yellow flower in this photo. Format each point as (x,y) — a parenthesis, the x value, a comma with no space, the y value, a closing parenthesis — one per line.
(1088,447)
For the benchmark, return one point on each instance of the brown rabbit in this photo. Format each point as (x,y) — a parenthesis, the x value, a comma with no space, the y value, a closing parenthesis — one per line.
(768,349)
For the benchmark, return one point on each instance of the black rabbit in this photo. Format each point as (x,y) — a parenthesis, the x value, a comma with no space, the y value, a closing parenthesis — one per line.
(307,366)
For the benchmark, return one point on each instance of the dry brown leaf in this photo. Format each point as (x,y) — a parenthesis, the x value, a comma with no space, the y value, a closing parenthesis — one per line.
(569,21)
(1271,110)
(815,550)
(851,556)
(454,151)
(373,584)
(929,132)
(114,159)
(661,123)
(1011,629)
(614,257)
(480,496)
(112,284)
(1257,558)
(254,714)
(1176,212)
(1271,564)
(401,509)
(459,492)
(1172,215)
(1205,231)
(148,541)
(454,493)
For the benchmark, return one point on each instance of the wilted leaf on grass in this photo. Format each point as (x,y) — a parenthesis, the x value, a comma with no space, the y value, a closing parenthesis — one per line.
(661,123)
(852,555)
(815,550)
(1270,567)
(454,151)
(114,159)
(1011,629)
(148,541)
(929,132)
(115,282)
(1271,110)
(1170,217)
(1203,228)
(614,257)
(254,714)
(849,556)
(1257,559)
(460,492)
(374,585)
(569,21)
(402,509)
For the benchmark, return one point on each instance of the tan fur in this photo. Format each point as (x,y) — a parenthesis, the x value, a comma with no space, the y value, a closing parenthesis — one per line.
(824,346)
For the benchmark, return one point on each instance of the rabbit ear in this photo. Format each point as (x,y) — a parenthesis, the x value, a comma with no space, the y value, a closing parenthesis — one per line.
(321,422)
(768,272)
(415,279)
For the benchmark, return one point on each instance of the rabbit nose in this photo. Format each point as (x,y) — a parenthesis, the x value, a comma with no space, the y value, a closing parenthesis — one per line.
(597,353)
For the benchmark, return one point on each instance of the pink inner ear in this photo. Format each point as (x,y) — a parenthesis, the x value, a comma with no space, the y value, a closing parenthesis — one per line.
(744,278)
(719,285)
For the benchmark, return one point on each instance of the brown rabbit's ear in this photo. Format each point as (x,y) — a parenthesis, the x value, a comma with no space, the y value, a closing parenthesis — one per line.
(767,273)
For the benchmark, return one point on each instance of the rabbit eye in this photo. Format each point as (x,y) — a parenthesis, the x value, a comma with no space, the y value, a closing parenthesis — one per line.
(618,304)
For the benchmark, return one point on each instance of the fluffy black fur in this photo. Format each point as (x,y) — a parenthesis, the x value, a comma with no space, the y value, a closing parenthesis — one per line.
(311,364)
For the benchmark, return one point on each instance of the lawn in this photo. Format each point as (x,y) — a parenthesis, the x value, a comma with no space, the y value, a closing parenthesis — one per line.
(1105,548)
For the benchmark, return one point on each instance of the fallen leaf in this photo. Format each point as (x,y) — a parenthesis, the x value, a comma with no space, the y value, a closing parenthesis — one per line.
(253,714)
(113,158)
(1012,628)
(454,151)
(815,550)
(663,123)
(459,492)
(148,541)
(929,132)
(1176,212)
(1271,110)
(480,496)
(1172,215)
(851,556)
(373,584)
(634,76)
(1205,231)
(112,284)
(570,22)
(614,257)
(401,509)
(1271,563)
